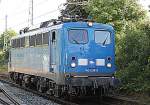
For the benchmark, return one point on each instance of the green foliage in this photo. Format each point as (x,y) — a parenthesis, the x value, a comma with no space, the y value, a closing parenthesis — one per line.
(3,68)
(8,35)
(4,54)
(133,58)
(116,12)
(74,10)
(2,58)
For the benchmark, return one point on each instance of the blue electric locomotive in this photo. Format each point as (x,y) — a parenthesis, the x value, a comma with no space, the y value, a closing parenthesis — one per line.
(59,58)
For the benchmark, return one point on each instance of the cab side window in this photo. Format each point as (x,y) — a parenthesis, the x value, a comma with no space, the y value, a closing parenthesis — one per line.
(53,37)
(22,44)
(13,43)
(32,40)
(18,43)
(45,38)
(39,39)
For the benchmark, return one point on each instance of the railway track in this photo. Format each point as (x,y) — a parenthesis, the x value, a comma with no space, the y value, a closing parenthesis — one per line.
(6,98)
(57,100)
(109,100)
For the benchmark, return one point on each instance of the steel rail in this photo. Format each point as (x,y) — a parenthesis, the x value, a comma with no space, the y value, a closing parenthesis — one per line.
(9,97)
(52,98)
(4,102)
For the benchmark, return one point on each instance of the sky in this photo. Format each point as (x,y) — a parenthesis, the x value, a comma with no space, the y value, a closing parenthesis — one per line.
(18,12)
(145,3)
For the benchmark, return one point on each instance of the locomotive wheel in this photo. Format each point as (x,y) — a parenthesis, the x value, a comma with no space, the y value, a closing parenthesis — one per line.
(39,87)
(16,78)
(57,91)
(11,75)
(68,97)
(23,83)
(20,79)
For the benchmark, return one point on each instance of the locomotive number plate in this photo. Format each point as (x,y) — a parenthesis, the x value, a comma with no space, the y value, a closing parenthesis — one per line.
(91,70)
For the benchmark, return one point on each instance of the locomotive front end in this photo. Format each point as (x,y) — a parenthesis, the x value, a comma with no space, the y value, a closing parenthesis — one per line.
(89,58)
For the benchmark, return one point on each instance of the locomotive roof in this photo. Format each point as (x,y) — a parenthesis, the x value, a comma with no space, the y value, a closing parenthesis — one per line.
(84,25)
(65,25)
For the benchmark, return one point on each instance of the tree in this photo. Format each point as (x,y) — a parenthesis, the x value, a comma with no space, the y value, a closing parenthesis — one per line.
(5,53)
(8,35)
(73,9)
(133,58)
(115,12)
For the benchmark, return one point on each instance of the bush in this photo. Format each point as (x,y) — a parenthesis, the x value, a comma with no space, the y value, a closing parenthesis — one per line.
(133,59)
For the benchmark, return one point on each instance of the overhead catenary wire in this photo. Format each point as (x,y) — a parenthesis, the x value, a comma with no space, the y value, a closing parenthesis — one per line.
(15,14)
(26,9)
(47,13)
(40,3)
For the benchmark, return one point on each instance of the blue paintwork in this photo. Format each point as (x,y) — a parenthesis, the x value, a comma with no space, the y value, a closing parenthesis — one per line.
(90,51)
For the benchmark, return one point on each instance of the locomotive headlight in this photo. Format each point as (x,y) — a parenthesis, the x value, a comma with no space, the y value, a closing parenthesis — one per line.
(90,23)
(73,64)
(109,65)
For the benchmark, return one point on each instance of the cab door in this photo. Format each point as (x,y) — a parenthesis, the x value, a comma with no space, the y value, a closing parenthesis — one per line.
(53,51)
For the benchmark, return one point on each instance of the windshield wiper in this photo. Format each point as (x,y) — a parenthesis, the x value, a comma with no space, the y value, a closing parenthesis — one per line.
(76,41)
(105,40)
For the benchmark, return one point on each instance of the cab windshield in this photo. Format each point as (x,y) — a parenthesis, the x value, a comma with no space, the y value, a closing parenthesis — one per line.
(78,36)
(102,37)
